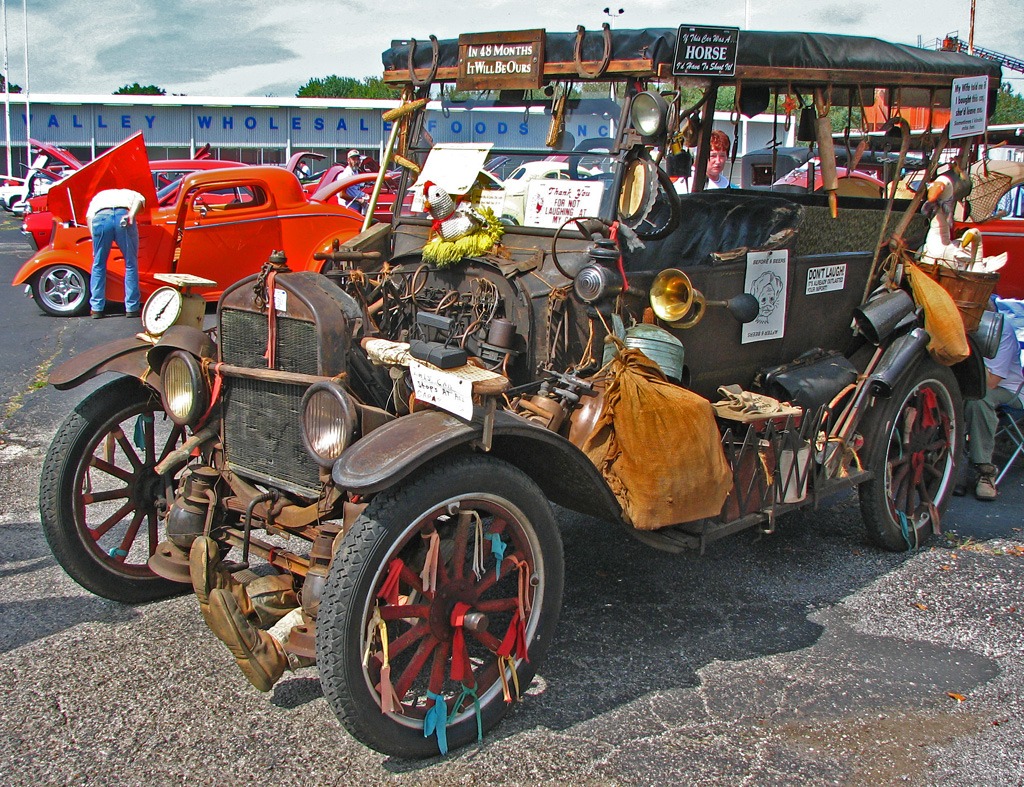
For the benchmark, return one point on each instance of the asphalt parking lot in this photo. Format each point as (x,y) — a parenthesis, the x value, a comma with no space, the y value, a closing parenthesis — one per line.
(804,657)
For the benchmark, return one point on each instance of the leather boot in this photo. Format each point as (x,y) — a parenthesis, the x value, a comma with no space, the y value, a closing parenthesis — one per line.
(207,575)
(260,657)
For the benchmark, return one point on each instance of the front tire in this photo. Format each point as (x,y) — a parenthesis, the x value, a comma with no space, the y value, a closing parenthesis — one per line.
(913,440)
(99,498)
(464,500)
(62,290)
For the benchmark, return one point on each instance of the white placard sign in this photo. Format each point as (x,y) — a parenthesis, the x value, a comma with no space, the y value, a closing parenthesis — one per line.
(443,390)
(767,280)
(825,279)
(968,107)
(280,300)
(493,199)
(550,203)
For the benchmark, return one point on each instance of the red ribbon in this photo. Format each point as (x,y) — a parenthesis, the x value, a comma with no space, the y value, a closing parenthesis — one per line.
(515,639)
(462,670)
(389,590)
(271,353)
(614,235)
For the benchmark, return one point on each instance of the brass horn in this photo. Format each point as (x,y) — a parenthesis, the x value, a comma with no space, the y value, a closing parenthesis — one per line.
(671,295)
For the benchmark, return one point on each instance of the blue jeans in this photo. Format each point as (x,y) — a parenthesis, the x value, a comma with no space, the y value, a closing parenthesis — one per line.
(106,229)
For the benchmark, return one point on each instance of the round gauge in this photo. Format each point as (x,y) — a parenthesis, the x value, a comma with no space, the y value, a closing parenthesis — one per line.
(161,310)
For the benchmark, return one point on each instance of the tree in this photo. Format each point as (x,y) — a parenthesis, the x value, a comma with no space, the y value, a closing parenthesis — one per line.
(14,88)
(1009,106)
(135,89)
(346,87)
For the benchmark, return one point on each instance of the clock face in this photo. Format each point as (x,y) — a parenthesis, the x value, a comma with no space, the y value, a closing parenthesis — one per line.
(161,310)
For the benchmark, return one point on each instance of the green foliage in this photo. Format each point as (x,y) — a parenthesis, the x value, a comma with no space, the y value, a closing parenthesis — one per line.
(334,86)
(1009,106)
(14,88)
(135,89)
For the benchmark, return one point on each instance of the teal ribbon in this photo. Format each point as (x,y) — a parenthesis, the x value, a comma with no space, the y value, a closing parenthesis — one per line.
(905,527)
(436,722)
(139,437)
(464,694)
(115,552)
(498,550)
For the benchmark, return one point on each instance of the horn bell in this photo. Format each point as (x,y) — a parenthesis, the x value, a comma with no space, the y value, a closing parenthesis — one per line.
(671,295)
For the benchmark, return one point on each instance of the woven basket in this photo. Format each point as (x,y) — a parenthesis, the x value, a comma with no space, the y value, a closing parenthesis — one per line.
(970,290)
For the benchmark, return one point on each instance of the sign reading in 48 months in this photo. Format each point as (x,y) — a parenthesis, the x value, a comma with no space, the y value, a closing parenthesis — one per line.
(706,51)
(501,60)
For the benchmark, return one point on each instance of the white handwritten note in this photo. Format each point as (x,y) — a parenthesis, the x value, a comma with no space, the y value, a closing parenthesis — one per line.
(443,390)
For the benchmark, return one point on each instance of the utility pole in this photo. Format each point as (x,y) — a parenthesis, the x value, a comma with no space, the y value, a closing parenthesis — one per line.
(28,108)
(7,90)
(970,36)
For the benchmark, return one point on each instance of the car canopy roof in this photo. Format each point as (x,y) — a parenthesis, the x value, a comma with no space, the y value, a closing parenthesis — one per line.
(804,59)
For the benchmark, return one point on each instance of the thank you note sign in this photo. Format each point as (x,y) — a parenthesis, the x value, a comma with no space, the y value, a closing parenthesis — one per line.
(501,60)
(706,51)
(968,107)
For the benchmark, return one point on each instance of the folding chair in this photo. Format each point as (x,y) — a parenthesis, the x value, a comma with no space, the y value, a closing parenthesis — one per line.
(1010,421)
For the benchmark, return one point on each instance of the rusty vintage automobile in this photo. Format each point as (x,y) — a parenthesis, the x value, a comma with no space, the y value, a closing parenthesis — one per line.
(382,441)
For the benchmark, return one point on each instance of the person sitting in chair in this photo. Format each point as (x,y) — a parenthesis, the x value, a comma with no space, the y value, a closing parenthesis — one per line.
(981,417)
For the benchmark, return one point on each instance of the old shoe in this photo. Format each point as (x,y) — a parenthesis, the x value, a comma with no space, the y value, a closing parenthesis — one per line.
(986,487)
(260,657)
(206,573)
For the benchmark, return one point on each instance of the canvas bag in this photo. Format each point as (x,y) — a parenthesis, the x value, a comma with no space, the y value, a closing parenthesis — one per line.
(942,318)
(658,447)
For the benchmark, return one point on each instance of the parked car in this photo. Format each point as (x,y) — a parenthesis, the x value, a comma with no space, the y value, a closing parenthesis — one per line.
(223,225)
(49,165)
(399,425)
(167,176)
(851,184)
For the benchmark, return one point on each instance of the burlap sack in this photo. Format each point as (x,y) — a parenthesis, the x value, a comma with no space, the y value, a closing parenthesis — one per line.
(658,447)
(942,319)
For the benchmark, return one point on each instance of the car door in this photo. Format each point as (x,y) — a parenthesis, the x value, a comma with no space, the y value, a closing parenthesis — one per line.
(227,230)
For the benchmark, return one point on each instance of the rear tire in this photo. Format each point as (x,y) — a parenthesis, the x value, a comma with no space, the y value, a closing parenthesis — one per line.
(913,444)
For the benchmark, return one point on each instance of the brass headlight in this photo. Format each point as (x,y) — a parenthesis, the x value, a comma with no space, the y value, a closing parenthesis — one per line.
(648,113)
(185,396)
(328,421)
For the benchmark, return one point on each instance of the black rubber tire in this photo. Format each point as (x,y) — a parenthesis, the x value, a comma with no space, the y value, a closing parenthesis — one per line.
(61,290)
(70,517)
(386,529)
(939,448)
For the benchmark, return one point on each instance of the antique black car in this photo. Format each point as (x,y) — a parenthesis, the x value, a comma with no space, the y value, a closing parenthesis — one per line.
(356,466)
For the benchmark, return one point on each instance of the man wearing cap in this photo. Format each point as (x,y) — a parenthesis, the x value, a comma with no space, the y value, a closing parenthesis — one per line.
(354,194)
(111,216)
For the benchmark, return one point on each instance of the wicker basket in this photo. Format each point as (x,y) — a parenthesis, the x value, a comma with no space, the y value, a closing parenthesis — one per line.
(970,290)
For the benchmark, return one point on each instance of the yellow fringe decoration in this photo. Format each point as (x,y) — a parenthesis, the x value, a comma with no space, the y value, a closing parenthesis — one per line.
(444,253)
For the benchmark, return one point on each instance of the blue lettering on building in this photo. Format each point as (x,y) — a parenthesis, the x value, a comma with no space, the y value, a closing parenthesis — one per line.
(250,122)
(274,126)
(480,127)
(229,122)
(581,132)
(75,123)
(204,120)
(149,120)
(318,124)
(126,121)
(53,122)
(603,132)
(386,124)
(341,125)
(431,125)
(524,129)
(456,127)
(99,122)
(502,127)
(296,124)
(362,125)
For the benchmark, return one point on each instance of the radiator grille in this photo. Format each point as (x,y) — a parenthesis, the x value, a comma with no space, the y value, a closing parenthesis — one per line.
(243,341)
(263,435)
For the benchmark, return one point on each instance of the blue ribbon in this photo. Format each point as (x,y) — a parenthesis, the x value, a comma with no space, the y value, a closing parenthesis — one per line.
(115,552)
(139,437)
(468,692)
(498,550)
(905,527)
(436,722)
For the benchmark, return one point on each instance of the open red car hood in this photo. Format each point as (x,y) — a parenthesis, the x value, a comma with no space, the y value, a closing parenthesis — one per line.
(123,167)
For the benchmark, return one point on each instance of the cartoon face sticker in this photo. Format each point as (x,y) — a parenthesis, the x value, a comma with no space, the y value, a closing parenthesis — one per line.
(768,290)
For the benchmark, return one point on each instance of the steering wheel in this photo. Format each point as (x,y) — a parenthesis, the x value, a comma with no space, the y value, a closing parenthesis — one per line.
(588,226)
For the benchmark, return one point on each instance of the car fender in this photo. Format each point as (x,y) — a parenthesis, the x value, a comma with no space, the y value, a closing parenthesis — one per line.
(397,449)
(125,356)
(44,259)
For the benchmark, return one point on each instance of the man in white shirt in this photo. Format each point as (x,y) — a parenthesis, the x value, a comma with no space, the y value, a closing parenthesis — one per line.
(111,216)
(354,194)
(1004,384)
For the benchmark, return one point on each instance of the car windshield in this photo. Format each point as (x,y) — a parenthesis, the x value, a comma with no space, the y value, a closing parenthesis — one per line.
(554,144)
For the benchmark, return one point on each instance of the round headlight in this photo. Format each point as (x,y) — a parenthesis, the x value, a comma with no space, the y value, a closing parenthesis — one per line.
(328,421)
(184,390)
(648,112)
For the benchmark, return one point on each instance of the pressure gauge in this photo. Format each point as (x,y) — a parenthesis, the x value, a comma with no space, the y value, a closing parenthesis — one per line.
(161,310)
(169,306)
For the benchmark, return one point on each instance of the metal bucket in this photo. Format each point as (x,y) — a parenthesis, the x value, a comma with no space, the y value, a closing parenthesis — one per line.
(877,318)
(660,346)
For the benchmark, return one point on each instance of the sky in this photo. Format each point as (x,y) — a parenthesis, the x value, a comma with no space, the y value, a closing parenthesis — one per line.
(258,48)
